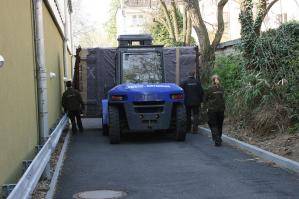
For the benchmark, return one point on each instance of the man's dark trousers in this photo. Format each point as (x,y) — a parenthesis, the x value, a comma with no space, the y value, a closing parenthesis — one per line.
(75,115)
(192,111)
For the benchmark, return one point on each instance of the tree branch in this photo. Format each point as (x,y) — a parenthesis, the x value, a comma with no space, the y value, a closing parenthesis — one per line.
(162,22)
(167,16)
(270,5)
(263,10)
(220,28)
(175,20)
(198,24)
(184,24)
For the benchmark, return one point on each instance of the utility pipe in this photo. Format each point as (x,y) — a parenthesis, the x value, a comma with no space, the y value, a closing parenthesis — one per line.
(41,76)
(41,70)
(65,39)
(71,39)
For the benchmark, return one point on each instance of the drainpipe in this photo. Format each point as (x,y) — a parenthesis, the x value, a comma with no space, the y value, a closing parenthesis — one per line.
(41,70)
(72,43)
(41,76)
(65,40)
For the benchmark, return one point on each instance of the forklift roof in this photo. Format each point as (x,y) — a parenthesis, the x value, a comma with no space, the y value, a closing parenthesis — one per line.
(127,40)
(140,37)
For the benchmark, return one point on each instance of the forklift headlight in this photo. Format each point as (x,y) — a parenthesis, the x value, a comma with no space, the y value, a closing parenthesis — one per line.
(118,97)
(178,96)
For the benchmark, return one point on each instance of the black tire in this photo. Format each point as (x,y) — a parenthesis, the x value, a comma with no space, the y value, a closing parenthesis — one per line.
(180,123)
(114,125)
(105,129)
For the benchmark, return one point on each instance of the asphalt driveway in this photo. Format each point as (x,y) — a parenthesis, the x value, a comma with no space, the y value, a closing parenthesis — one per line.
(157,167)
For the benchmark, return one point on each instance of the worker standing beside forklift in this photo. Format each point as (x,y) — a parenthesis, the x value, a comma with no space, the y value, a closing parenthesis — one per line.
(73,105)
(193,98)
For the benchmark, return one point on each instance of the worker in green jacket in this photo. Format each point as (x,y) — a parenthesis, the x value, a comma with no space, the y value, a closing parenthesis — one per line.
(216,105)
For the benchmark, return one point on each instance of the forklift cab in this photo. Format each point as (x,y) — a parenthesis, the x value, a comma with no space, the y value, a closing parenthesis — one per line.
(138,61)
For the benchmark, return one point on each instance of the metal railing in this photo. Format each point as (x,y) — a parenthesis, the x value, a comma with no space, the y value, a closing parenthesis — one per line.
(29,180)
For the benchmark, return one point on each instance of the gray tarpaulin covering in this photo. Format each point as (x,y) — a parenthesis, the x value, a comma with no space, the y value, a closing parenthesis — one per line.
(97,72)
(169,56)
(186,59)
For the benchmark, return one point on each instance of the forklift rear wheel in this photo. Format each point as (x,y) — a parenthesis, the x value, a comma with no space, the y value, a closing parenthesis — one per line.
(180,123)
(114,126)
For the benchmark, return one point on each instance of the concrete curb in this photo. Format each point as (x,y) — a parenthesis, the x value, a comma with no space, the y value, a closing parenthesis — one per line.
(266,155)
(54,180)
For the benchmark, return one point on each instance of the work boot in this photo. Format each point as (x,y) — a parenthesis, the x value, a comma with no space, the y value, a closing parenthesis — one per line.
(217,143)
(195,129)
(214,134)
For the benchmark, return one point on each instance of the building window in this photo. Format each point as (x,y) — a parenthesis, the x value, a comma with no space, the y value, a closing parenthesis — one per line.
(134,19)
(140,20)
(282,18)
(226,22)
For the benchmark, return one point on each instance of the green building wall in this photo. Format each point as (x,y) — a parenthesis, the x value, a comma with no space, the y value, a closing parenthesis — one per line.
(18,94)
(18,118)
(54,64)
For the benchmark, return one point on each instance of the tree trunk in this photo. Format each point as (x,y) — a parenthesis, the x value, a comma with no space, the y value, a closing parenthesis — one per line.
(207,59)
(206,48)
(185,21)
(248,36)
(251,28)
(198,24)
(188,30)
(175,20)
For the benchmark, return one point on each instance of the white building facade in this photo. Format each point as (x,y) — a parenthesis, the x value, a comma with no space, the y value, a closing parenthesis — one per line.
(135,15)
(283,11)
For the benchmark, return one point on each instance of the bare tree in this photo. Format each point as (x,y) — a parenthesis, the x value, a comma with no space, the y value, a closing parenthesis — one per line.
(207,47)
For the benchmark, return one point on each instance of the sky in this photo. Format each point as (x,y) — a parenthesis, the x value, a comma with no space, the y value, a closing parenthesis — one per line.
(96,11)
(89,18)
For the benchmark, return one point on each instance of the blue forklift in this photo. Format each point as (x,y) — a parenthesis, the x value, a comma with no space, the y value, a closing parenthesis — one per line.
(142,101)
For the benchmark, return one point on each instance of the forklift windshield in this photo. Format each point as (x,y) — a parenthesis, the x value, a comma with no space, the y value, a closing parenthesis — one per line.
(142,67)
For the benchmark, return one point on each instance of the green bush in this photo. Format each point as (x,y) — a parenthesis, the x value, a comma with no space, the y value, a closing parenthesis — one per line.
(267,95)
(229,69)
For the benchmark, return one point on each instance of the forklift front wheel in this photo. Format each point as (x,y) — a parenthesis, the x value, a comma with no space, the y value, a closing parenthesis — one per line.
(180,123)
(114,126)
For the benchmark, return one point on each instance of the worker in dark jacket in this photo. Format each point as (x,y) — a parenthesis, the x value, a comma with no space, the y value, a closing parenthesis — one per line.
(216,105)
(193,99)
(73,105)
